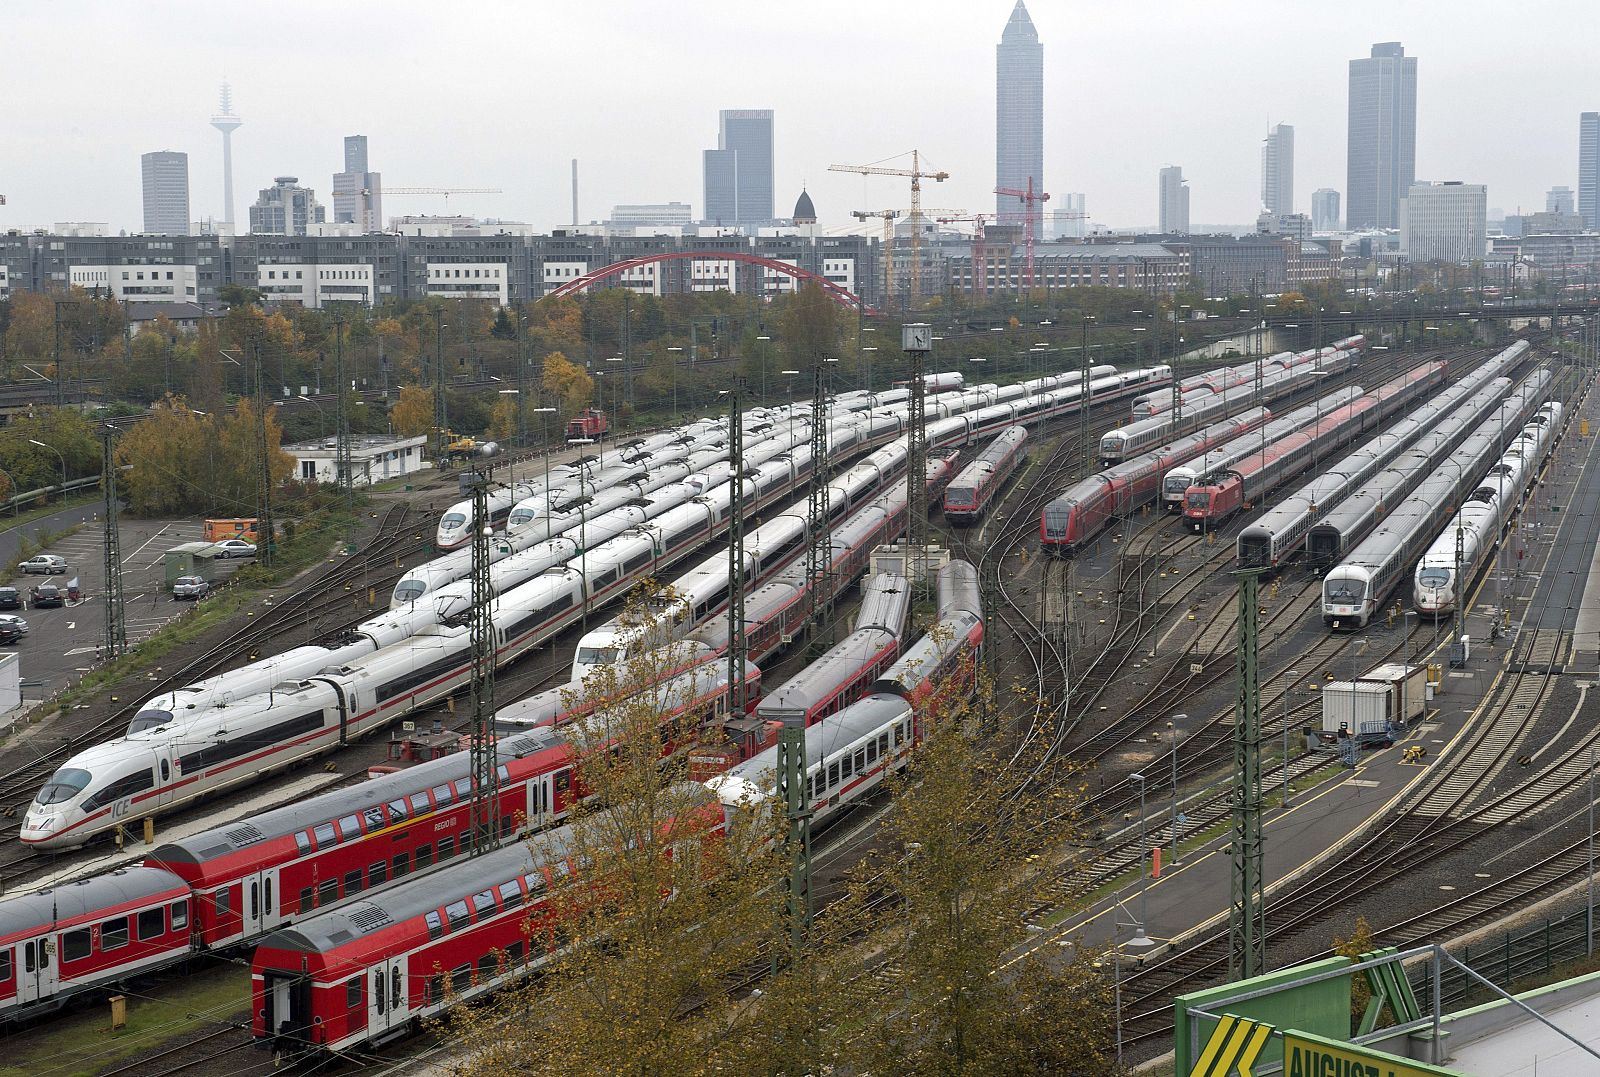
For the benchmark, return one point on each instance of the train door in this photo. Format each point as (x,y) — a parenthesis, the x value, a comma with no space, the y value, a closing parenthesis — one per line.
(37,978)
(260,911)
(287,1002)
(166,771)
(386,1001)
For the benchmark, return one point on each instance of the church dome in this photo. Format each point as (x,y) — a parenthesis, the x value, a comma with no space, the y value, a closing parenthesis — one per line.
(804,211)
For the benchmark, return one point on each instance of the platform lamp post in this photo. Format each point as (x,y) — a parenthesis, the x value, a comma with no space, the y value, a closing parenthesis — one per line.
(1289,676)
(1143,936)
(674,352)
(544,451)
(1172,734)
(519,434)
(583,530)
(63,459)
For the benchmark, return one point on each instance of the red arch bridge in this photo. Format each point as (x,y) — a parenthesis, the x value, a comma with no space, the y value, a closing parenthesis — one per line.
(843,296)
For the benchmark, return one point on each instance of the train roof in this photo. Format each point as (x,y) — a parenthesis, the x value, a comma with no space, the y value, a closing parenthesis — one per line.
(923,658)
(864,717)
(97,893)
(958,588)
(884,604)
(418,894)
(293,818)
(821,678)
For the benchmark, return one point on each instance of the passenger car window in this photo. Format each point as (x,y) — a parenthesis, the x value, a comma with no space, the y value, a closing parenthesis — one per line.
(114,933)
(74,945)
(152,923)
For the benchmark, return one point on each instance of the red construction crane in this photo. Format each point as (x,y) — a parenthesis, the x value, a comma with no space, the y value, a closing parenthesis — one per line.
(1029,200)
(980,263)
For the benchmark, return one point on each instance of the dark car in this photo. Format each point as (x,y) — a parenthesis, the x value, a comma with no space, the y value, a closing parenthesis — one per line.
(47,596)
(9,635)
(10,598)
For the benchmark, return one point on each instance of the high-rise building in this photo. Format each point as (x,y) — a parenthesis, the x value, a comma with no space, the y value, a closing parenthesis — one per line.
(1382,152)
(1559,200)
(166,192)
(1277,170)
(226,122)
(738,173)
(1019,118)
(358,193)
(285,209)
(1072,219)
(1325,209)
(1444,222)
(1589,170)
(1174,193)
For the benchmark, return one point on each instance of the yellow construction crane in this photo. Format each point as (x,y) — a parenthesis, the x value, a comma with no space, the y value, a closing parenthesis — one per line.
(888,216)
(917,175)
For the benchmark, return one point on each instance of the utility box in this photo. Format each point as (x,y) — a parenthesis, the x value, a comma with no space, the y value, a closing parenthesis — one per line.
(190,559)
(1378,704)
(898,559)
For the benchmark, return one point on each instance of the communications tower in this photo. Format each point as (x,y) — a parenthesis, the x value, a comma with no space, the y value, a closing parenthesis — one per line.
(226,122)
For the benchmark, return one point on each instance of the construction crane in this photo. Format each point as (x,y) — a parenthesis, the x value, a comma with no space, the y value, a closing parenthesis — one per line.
(1029,200)
(888,216)
(980,263)
(405,192)
(917,175)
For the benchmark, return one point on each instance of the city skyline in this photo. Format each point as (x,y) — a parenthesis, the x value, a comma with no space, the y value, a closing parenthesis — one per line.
(646,148)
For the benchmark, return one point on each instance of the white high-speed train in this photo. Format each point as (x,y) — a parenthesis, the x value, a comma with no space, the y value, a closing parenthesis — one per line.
(158,769)
(1437,583)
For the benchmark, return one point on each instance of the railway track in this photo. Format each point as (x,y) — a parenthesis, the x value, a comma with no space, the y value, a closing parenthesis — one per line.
(327,605)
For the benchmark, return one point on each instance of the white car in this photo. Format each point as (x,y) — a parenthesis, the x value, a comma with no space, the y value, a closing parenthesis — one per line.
(44,564)
(234,548)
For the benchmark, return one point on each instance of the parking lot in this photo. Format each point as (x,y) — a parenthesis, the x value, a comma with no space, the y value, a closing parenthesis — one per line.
(61,644)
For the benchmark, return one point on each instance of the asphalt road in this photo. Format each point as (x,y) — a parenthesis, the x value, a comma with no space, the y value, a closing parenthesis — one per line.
(63,643)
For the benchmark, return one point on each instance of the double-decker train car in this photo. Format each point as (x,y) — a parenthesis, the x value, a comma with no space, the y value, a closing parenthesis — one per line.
(1085,508)
(970,493)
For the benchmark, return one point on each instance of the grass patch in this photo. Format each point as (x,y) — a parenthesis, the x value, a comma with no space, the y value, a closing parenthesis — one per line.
(81,1042)
(11,523)
(41,540)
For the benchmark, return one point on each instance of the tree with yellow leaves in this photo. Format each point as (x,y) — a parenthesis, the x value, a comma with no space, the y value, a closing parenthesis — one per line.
(566,382)
(412,413)
(503,426)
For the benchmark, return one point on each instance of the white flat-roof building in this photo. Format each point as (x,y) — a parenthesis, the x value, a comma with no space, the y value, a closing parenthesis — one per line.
(1444,222)
(373,458)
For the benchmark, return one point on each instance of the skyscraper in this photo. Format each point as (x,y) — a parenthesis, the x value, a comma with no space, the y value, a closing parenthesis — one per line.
(1325,209)
(1174,200)
(1444,222)
(285,209)
(738,173)
(1589,170)
(1277,170)
(166,192)
(1381,163)
(226,122)
(1019,117)
(1558,200)
(357,193)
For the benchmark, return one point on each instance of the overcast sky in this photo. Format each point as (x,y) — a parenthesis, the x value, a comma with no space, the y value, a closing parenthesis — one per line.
(499,94)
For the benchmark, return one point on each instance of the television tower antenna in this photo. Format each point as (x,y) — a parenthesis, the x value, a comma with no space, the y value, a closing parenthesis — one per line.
(226,122)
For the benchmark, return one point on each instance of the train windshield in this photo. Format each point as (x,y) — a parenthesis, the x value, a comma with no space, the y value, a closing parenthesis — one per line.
(409,590)
(598,656)
(518,517)
(1344,589)
(453,520)
(1199,500)
(65,784)
(1177,484)
(150,719)
(959,495)
(1434,577)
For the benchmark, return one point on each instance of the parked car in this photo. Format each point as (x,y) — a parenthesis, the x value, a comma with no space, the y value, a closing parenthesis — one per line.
(9,635)
(15,622)
(10,598)
(46,596)
(190,587)
(234,548)
(45,564)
